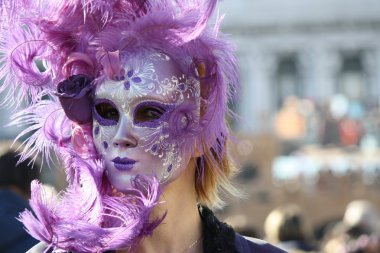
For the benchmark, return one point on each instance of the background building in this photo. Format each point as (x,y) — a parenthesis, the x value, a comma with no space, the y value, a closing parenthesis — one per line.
(311,49)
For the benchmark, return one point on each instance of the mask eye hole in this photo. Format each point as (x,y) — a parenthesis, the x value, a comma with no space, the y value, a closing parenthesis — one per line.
(149,114)
(106,113)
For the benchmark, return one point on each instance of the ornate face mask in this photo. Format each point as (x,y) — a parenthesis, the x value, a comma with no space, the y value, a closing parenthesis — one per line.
(146,123)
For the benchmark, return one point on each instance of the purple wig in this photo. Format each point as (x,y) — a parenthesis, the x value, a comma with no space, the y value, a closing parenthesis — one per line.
(70,46)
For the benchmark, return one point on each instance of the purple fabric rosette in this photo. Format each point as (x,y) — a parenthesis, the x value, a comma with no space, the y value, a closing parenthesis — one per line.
(75,95)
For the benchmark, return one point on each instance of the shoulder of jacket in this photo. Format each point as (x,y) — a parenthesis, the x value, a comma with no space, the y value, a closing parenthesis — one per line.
(249,244)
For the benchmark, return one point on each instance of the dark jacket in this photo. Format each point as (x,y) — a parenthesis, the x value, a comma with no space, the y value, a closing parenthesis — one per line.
(218,237)
(13,237)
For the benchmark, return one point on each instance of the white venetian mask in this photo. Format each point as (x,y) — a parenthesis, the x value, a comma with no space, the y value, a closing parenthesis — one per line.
(146,123)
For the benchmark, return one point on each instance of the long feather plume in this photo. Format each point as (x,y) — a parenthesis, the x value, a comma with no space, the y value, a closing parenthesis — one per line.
(115,221)
(22,77)
(47,127)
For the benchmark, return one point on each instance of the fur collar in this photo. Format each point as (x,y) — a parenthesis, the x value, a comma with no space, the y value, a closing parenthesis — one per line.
(218,237)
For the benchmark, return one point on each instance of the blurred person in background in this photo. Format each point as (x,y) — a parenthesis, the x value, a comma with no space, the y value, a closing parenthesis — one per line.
(288,228)
(350,131)
(15,182)
(358,232)
(362,222)
(290,125)
(240,224)
(361,217)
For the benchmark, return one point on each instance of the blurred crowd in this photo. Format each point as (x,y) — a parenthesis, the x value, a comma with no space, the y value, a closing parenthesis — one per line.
(328,146)
(358,231)
(325,148)
(340,122)
(321,177)
(289,227)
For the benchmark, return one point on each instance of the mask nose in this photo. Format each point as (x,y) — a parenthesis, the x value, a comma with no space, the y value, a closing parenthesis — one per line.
(124,137)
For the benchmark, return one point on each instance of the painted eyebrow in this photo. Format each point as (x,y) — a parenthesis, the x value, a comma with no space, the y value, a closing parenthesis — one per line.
(155,102)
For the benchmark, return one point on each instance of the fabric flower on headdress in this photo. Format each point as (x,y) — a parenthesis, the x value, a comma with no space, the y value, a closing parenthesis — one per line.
(75,95)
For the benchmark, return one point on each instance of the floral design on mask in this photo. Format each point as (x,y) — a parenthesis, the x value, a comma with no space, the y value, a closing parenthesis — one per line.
(179,87)
(141,79)
(131,79)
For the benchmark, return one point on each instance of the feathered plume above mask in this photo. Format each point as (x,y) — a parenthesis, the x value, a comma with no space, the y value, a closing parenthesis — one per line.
(52,55)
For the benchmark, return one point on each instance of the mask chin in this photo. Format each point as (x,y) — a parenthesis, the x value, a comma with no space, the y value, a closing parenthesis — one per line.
(172,172)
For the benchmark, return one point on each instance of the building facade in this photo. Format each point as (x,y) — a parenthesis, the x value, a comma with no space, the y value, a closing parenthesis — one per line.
(311,49)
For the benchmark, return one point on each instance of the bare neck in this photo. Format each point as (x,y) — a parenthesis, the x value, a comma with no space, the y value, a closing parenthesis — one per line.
(181,230)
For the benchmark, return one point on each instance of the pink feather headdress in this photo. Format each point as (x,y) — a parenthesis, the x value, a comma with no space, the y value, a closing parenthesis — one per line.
(52,53)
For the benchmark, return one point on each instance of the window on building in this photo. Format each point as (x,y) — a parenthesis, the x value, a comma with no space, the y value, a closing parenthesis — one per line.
(352,80)
(287,79)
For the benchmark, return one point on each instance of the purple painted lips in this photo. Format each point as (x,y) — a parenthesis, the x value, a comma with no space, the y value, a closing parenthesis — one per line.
(123,164)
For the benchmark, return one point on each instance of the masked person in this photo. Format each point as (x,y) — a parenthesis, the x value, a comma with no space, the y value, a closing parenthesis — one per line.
(132,97)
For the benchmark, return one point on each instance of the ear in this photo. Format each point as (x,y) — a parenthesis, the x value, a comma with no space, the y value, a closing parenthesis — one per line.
(201,69)
(205,68)
(205,72)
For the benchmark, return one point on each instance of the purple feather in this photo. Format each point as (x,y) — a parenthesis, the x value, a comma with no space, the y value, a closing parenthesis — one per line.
(99,221)
(21,74)
(47,126)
